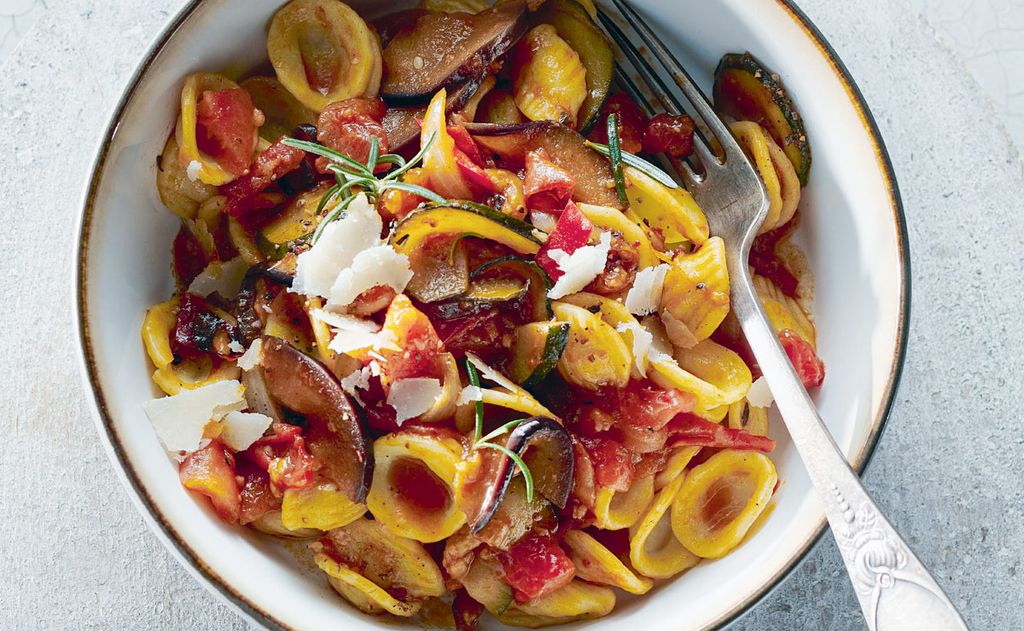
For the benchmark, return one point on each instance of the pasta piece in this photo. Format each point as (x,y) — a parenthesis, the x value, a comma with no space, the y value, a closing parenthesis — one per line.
(674,466)
(617,510)
(695,297)
(595,355)
(551,80)
(367,564)
(750,418)
(613,220)
(270,524)
(784,312)
(720,499)
(413,489)
(193,373)
(653,550)
(597,564)
(287,320)
(615,314)
(451,388)
(671,210)
(507,394)
(181,194)
(575,601)
(197,164)
(711,402)
(282,111)
(776,171)
(246,246)
(454,6)
(719,366)
(320,507)
(323,52)
(156,332)
(298,219)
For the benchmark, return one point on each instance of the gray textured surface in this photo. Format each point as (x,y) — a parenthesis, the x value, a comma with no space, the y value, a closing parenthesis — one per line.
(75,554)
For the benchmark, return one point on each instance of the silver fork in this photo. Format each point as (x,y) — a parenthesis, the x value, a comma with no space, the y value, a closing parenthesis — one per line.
(895,590)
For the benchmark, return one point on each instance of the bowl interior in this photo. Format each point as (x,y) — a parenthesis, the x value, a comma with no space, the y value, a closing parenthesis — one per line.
(851,232)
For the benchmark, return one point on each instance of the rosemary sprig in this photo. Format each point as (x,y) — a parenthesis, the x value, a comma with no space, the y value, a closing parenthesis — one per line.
(615,153)
(484,442)
(637,163)
(353,177)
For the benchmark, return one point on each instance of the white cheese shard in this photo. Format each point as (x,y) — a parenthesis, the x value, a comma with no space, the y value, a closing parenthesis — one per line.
(759,395)
(413,397)
(193,169)
(222,278)
(660,349)
(252,357)
(373,267)
(236,347)
(238,430)
(579,268)
(352,333)
(180,420)
(491,374)
(357,380)
(642,341)
(645,294)
(339,243)
(470,394)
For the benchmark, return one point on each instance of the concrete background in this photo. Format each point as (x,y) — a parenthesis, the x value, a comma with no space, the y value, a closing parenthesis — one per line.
(941,76)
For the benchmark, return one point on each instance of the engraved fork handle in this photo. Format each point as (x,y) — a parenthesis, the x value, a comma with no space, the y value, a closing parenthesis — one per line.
(895,590)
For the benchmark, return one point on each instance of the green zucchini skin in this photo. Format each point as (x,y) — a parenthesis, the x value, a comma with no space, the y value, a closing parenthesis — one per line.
(554,345)
(746,90)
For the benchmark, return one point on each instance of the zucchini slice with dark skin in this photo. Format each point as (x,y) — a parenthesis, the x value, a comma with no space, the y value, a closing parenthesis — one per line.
(575,26)
(746,90)
(538,281)
(455,218)
(496,289)
(539,346)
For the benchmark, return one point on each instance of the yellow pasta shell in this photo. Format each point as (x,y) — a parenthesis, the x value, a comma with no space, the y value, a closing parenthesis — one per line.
(614,510)
(282,111)
(210,172)
(399,457)
(784,312)
(614,220)
(179,193)
(595,355)
(270,524)
(653,550)
(755,144)
(719,366)
(156,332)
(574,601)
(695,296)
(672,210)
(319,507)
(675,466)
(597,564)
(720,499)
(552,84)
(329,38)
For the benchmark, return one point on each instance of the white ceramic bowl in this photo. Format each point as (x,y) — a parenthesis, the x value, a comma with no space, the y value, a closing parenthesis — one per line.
(853,231)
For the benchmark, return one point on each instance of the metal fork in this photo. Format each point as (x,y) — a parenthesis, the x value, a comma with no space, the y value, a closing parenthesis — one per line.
(895,590)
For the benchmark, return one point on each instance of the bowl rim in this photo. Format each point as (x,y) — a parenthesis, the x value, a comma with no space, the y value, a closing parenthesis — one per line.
(214,583)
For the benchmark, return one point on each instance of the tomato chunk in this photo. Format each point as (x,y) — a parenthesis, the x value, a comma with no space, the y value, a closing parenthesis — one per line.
(194,327)
(271,165)
(350,126)
(671,135)
(257,498)
(188,256)
(692,431)
(536,566)
(613,466)
(283,455)
(804,359)
(420,347)
(767,263)
(211,472)
(546,186)
(226,124)
(631,123)
(572,232)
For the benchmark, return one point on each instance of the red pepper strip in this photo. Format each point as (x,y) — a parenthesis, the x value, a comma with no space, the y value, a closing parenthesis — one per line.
(572,232)
(546,186)
(687,430)
(273,163)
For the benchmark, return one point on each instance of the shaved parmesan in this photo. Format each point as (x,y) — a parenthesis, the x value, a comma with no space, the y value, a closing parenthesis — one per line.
(352,333)
(252,357)
(413,397)
(238,430)
(642,341)
(236,347)
(222,278)
(759,395)
(645,294)
(581,267)
(470,394)
(339,244)
(357,380)
(180,420)
(193,169)
(491,374)
(373,267)
(661,348)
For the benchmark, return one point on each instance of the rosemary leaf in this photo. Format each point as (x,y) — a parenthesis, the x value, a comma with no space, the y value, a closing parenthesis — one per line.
(330,154)
(504,429)
(615,153)
(394,175)
(516,458)
(637,163)
(413,188)
(474,380)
